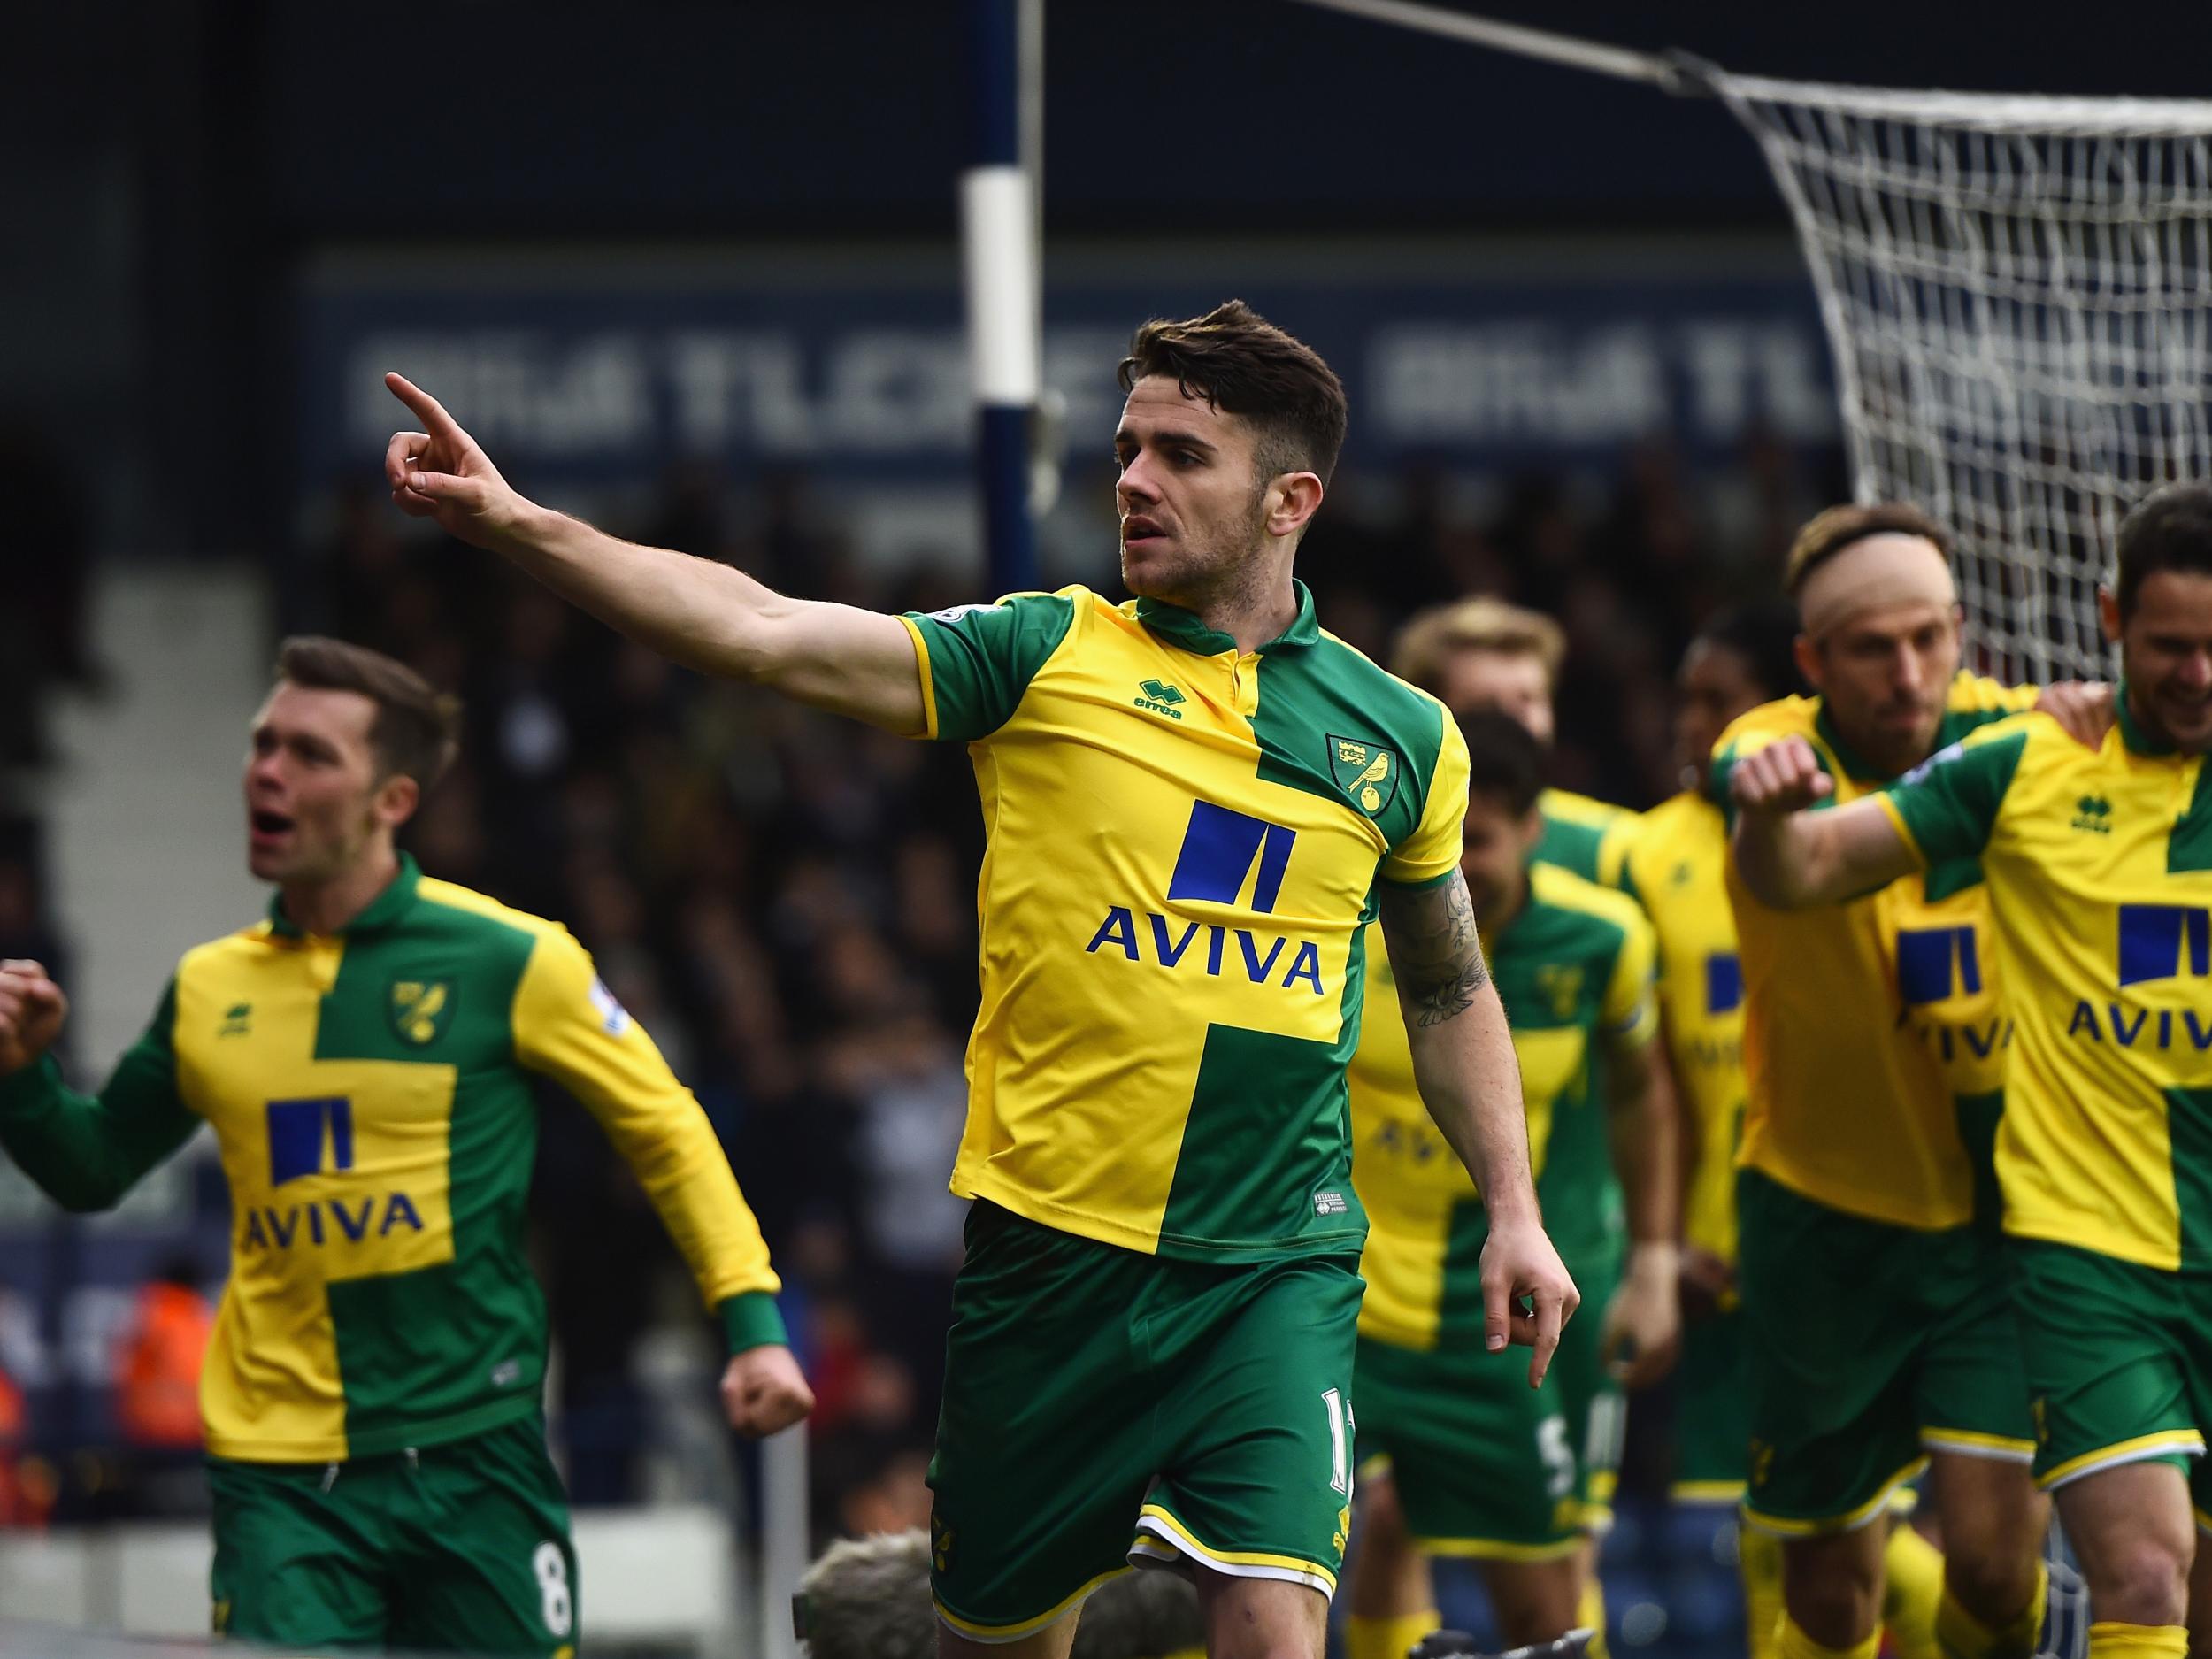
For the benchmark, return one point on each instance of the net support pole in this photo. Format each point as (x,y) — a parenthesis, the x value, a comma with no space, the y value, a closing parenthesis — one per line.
(784,1528)
(998,247)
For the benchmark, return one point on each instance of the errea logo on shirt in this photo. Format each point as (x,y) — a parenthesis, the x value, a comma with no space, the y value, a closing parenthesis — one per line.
(1159,697)
(2094,813)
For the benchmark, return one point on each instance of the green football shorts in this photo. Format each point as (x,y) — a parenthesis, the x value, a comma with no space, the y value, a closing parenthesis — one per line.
(1105,1408)
(463,1546)
(1870,1344)
(1485,1466)
(2119,1361)
(1710,1394)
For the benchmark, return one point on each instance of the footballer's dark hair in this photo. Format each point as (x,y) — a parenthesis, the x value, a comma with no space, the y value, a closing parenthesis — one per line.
(417,732)
(1830,533)
(2169,530)
(1762,634)
(1244,365)
(1505,760)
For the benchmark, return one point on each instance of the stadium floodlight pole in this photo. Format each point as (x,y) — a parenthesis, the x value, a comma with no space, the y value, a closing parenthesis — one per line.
(999,266)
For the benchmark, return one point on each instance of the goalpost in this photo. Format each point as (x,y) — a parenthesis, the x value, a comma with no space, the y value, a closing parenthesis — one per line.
(2017,292)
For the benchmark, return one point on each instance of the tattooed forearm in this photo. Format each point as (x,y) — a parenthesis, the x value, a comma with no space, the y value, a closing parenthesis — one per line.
(1433,950)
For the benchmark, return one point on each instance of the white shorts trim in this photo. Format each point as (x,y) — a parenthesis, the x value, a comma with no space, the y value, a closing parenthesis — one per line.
(1979,1449)
(2121,1459)
(1157,1546)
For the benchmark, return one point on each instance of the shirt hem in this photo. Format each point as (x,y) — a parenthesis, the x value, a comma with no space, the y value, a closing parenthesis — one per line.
(1029,1206)
(377,1443)
(2073,1241)
(1857,1204)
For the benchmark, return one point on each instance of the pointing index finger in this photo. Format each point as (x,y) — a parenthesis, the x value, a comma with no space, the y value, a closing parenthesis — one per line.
(1549,1316)
(427,408)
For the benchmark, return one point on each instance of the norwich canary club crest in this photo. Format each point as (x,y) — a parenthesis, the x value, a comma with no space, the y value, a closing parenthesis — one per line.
(1366,772)
(421,1010)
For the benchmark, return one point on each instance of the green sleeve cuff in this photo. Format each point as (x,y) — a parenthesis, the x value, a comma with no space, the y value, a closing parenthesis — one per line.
(34,1084)
(751,1319)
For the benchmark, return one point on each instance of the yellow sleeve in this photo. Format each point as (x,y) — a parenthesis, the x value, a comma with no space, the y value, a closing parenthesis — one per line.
(569,1028)
(1631,1006)
(1979,693)
(1431,852)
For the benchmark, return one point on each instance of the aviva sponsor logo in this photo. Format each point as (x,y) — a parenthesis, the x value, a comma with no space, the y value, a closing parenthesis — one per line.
(2154,942)
(313,1137)
(1724,982)
(1935,965)
(1225,856)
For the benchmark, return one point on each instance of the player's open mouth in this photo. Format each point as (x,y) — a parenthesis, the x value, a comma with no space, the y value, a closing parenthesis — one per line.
(268,826)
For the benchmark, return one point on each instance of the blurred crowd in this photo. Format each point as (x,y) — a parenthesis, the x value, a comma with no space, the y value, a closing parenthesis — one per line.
(787,902)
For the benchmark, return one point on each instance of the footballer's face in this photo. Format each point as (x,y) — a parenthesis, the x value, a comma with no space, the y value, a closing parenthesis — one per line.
(1495,846)
(1886,674)
(2166,653)
(315,804)
(1197,518)
(1515,683)
(1714,685)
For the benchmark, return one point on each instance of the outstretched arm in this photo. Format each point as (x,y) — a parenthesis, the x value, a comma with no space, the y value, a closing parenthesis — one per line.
(1463,1062)
(84,1151)
(569,1028)
(704,614)
(1792,859)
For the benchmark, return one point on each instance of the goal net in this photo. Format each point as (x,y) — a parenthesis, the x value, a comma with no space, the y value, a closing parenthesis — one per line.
(2018,294)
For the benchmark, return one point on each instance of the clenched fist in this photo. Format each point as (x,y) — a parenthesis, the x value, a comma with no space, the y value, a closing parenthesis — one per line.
(1784,777)
(32,1011)
(762,1391)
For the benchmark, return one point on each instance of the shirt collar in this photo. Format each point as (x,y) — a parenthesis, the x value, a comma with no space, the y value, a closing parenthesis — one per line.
(1846,757)
(1181,627)
(385,909)
(2132,733)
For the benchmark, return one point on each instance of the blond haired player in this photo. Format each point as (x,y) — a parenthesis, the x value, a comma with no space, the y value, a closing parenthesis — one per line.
(1483,653)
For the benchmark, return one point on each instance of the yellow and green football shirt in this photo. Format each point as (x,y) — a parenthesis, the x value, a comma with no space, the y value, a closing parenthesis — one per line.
(1675,867)
(1183,847)
(2099,865)
(1574,970)
(372,1095)
(1874,1036)
(1586,836)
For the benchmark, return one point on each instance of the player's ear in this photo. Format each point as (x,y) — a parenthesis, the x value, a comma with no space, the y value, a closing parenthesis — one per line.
(2108,612)
(1808,663)
(1293,498)
(395,799)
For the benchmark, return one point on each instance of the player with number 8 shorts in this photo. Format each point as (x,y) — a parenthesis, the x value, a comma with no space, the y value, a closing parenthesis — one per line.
(1476,1465)
(367,1057)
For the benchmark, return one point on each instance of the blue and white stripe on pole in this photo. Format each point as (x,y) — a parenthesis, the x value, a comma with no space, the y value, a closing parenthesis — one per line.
(999,268)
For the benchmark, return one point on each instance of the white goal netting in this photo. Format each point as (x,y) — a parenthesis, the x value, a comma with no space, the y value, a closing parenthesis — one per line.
(2018,294)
